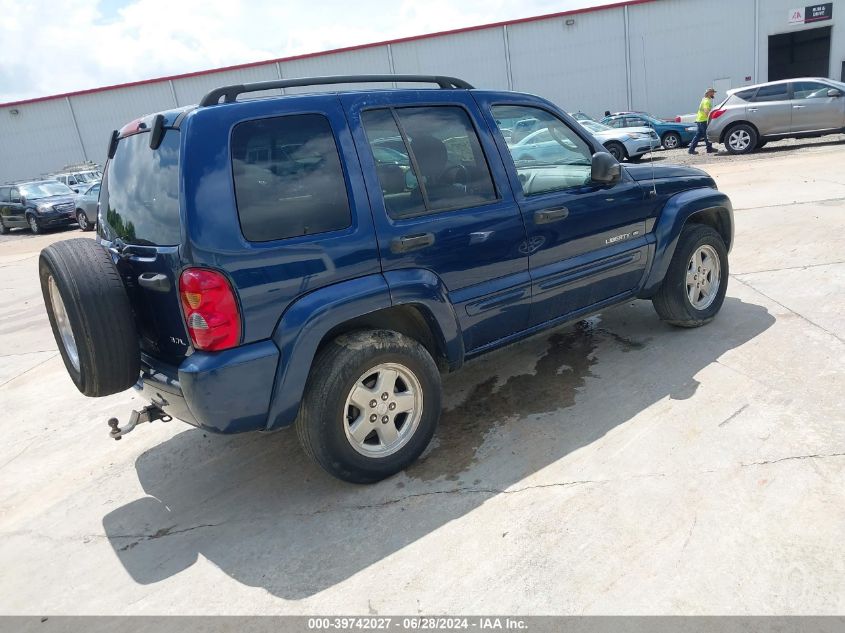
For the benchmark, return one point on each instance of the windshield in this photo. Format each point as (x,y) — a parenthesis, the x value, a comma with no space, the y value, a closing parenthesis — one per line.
(595,127)
(36,190)
(139,196)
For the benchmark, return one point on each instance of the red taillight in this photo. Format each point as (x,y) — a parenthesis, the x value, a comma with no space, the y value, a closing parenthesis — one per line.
(210,308)
(715,114)
(677,119)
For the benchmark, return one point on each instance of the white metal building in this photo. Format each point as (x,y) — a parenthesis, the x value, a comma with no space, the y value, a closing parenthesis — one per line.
(655,55)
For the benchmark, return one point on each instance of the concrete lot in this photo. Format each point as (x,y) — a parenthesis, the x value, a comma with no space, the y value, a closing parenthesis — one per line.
(619,466)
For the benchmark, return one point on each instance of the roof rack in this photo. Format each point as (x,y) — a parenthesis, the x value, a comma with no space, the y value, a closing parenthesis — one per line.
(231,92)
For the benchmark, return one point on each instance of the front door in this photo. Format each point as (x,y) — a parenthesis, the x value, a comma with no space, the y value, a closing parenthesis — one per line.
(587,241)
(442,205)
(813,109)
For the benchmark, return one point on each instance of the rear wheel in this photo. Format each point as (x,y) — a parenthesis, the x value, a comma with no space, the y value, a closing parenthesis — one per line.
(617,150)
(3,228)
(33,224)
(371,405)
(695,284)
(671,140)
(741,139)
(90,316)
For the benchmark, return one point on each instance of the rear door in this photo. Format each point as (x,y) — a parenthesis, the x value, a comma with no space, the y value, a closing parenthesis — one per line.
(813,110)
(770,109)
(446,206)
(16,209)
(139,222)
(587,242)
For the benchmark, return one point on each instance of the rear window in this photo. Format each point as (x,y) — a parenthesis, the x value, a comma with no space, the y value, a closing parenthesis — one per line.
(775,92)
(288,178)
(139,197)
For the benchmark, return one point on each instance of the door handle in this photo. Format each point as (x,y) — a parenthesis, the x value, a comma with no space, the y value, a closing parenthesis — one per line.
(753,109)
(546,216)
(154,281)
(798,107)
(411,242)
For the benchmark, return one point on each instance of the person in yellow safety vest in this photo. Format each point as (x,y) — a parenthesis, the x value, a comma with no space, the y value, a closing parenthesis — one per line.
(701,121)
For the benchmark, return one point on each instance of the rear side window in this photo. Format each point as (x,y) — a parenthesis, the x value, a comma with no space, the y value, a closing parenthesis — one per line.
(444,169)
(746,95)
(777,92)
(288,178)
(139,201)
(4,194)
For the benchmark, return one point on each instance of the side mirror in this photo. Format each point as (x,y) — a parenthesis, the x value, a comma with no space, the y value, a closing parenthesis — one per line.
(833,92)
(605,169)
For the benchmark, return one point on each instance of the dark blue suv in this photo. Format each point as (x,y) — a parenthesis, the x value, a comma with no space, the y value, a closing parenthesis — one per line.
(320,259)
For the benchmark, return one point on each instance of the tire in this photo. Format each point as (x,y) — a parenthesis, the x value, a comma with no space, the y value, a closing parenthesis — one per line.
(355,362)
(3,228)
(32,221)
(82,220)
(671,140)
(90,315)
(741,139)
(617,150)
(673,300)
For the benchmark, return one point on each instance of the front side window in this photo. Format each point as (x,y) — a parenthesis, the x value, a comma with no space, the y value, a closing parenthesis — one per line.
(809,90)
(427,160)
(552,157)
(288,178)
(776,92)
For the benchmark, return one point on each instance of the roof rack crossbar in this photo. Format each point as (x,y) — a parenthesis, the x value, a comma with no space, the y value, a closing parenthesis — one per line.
(230,93)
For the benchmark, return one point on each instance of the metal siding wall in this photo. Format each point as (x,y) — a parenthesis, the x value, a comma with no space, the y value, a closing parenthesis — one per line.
(475,56)
(774,19)
(687,47)
(578,67)
(98,114)
(189,90)
(370,61)
(40,138)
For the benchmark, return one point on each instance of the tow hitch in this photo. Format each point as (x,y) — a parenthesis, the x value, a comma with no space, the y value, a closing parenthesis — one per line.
(150,413)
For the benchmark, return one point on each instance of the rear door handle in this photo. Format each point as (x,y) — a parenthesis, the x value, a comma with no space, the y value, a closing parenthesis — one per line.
(798,107)
(411,242)
(546,216)
(154,281)
(753,109)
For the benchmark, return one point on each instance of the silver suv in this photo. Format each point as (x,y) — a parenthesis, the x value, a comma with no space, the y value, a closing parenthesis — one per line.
(752,116)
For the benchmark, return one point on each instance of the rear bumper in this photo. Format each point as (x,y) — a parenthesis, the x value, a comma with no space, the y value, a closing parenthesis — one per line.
(222,392)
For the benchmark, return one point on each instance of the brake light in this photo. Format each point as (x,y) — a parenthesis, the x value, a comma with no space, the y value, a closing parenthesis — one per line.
(210,308)
(715,114)
(677,119)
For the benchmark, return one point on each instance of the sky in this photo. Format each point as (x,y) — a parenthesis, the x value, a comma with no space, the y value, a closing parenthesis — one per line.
(53,47)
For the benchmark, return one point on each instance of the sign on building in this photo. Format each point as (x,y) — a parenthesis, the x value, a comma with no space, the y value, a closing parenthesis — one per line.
(813,13)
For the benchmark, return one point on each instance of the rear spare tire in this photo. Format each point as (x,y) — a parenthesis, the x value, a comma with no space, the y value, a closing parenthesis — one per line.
(90,316)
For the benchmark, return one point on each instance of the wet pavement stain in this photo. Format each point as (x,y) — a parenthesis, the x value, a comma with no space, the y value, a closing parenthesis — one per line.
(559,373)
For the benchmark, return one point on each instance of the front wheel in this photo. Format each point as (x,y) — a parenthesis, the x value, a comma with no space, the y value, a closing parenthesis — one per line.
(371,405)
(695,284)
(671,140)
(617,150)
(82,220)
(741,139)
(33,224)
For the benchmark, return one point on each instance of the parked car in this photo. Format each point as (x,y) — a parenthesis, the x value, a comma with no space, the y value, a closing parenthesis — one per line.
(672,135)
(541,146)
(244,290)
(77,181)
(38,205)
(86,207)
(752,116)
(581,116)
(686,118)
(624,143)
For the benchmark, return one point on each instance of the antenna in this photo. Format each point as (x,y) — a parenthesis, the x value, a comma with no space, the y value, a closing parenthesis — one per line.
(648,109)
